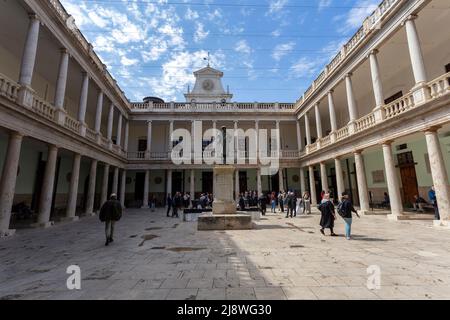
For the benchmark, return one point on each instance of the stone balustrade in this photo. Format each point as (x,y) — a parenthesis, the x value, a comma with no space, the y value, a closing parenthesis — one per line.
(365,122)
(8,88)
(72,124)
(212,107)
(438,88)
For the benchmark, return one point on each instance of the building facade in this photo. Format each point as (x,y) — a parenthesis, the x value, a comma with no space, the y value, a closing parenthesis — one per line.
(375,121)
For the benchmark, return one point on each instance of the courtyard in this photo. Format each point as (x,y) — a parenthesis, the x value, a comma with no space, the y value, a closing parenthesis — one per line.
(157,258)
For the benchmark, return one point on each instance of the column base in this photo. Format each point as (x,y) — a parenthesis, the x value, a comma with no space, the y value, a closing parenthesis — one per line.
(379,114)
(68,219)
(396,217)
(83,128)
(364,212)
(60,116)
(442,224)
(7,233)
(421,93)
(89,214)
(25,96)
(351,127)
(43,225)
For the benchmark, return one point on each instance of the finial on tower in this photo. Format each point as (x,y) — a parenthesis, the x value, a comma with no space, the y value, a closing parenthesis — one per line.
(208,59)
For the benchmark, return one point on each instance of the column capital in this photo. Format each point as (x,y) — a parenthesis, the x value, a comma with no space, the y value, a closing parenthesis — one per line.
(411,17)
(33,16)
(348,75)
(387,142)
(16,134)
(149,121)
(331,91)
(358,151)
(432,129)
(63,50)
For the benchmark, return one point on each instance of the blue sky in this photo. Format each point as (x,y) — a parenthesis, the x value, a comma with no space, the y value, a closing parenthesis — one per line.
(269,50)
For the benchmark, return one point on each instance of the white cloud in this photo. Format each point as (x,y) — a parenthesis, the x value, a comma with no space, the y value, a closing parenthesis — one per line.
(324,3)
(282,50)
(200,32)
(276,6)
(128,62)
(361,10)
(191,14)
(243,47)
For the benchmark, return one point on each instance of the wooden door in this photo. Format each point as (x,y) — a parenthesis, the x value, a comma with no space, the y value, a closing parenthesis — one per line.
(409,182)
(408,175)
(243,181)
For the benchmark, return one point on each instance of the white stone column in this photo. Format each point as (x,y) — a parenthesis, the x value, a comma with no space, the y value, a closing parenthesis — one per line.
(421,91)
(45,203)
(115,186)
(307,129)
(281,179)
(83,103)
(109,128)
(98,113)
(145,199)
(332,111)
(73,189)
(299,136)
(362,183)
(279,146)
(123,184)
(8,182)
(392,182)
(339,177)
(29,53)
(415,50)
(127,136)
(257,140)
(258,181)
(312,186)
(169,182)
(439,174)
(104,195)
(91,188)
(28,62)
(377,85)
(302,181)
(192,186)
(119,131)
(61,83)
(149,139)
(318,121)
(324,177)
(351,102)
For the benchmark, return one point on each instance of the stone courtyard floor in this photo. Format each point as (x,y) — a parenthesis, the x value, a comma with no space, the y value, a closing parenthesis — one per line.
(154,257)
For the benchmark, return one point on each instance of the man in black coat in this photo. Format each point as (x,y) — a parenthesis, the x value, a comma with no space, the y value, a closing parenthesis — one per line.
(169,203)
(110,213)
(177,202)
(263,204)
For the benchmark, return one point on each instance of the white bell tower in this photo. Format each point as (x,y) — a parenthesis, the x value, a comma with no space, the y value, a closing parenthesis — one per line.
(208,87)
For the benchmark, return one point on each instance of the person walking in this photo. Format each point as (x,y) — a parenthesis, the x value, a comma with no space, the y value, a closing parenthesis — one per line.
(433,199)
(169,201)
(110,213)
(294,204)
(288,203)
(345,209)
(306,203)
(262,204)
(281,201)
(326,208)
(273,202)
(177,203)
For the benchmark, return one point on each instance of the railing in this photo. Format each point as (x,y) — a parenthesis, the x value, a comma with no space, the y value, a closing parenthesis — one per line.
(342,133)
(91,134)
(365,122)
(326,141)
(43,108)
(140,155)
(8,88)
(440,86)
(209,107)
(289,154)
(399,106)
(72,124)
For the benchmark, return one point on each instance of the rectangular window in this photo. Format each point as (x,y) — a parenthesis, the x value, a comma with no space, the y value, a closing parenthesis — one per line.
(447,68)
(142,145)
(394,97)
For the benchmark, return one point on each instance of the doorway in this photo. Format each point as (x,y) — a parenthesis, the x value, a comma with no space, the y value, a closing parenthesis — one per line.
(409,177)
(139,186)
(275,181)
(243,181)
(177,182)
(207,182)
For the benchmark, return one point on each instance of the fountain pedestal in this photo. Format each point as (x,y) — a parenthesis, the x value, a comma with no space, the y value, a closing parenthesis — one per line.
(224,215)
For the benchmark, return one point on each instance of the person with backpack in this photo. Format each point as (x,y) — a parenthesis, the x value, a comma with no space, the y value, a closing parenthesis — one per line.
(345,209)
(169,201)
(110,213)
